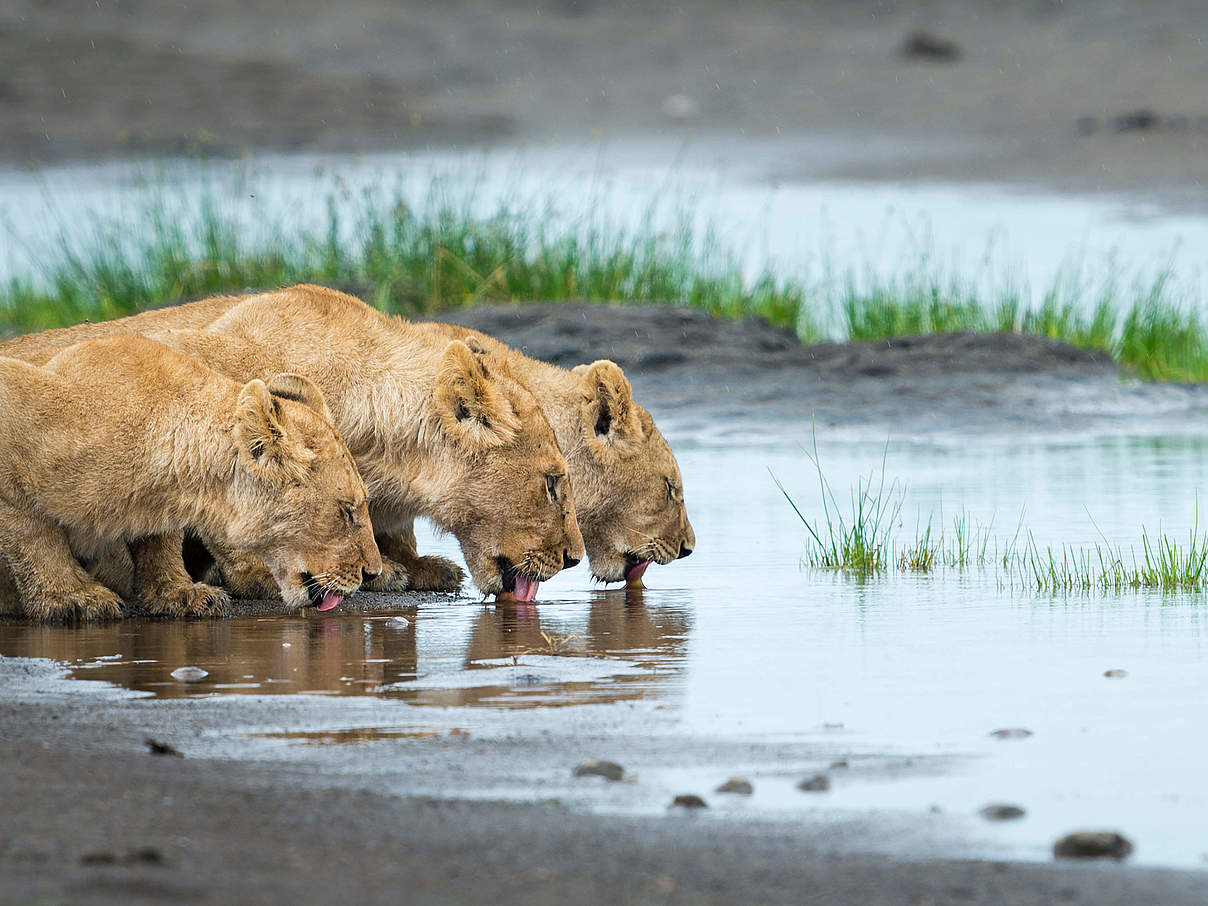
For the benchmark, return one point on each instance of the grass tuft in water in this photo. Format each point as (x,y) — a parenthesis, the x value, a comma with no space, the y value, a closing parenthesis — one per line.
(860,541)
(863,541)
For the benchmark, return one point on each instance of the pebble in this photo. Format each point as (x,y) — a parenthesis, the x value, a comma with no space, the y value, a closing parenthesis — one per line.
(189,674)
(998,811)
(1092,845)
(398,623)
(736,785)
(819,783)
(688,800)
(1115,674)
(609,770)
(925,45)
(155,747)
(1011,733)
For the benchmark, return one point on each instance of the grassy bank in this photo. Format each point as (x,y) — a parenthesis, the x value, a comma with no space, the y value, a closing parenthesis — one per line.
(442,256)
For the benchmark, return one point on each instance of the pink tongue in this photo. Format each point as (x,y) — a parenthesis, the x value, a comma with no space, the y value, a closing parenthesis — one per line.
(330,602)
(633,578)
(526,588)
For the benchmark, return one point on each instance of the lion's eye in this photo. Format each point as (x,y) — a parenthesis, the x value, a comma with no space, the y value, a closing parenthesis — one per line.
(350,514)
(673,490)
(551,486)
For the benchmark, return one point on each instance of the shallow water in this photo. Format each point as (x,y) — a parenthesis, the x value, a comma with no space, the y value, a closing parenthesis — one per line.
(740,643)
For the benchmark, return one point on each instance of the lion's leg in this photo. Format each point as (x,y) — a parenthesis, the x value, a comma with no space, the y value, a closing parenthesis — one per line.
(162,585)
(430,573)
(115,570)
(51,583)
(240,573)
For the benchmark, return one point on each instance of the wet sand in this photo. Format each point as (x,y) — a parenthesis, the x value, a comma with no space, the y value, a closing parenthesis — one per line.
(1087,97)
(92,817)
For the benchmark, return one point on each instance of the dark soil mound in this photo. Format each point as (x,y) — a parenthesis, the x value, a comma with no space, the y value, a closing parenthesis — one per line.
(711,373)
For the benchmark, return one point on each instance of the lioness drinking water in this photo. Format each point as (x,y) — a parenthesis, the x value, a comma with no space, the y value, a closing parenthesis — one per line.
(123,441)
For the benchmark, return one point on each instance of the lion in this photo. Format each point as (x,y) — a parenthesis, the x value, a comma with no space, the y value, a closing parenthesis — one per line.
(123,441)
(627,483)
(628,487)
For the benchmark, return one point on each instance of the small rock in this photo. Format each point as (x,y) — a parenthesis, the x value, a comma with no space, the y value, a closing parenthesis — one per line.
(1140,120)
(162,748)
(925,45)
(688,800)
(189,674)
(398,623)
(147,855)
(736,785)
(609,770)
(1092,845)
(819,783)
(680,107)
(1011,733)
(1115,674)
(998,811)
(840,764)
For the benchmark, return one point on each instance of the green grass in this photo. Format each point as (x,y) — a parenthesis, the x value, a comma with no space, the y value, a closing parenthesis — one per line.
(442,255)
(401,259)
(862,540)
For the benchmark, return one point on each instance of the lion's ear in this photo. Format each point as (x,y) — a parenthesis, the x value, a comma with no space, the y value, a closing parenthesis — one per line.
(301,389)
(609,409)
(469,402)
(265,437)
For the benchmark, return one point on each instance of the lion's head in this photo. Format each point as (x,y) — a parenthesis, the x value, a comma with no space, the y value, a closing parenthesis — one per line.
(512,508)
(300,504)
(630,492)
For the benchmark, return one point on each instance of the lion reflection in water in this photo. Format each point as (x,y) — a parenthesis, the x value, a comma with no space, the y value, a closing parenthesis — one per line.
(351,655)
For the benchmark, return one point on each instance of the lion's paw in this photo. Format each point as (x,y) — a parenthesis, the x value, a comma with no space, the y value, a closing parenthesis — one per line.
(194,600)
(394,577)
(436,574)
(97,603)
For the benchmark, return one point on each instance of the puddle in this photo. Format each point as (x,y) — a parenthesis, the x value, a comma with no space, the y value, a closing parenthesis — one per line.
(470,655)
(738,645)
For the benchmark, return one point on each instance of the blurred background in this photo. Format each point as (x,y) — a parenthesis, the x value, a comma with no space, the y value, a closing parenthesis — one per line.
(1087,96)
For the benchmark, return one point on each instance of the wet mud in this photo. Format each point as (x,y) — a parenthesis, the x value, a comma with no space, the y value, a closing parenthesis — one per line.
(717,376)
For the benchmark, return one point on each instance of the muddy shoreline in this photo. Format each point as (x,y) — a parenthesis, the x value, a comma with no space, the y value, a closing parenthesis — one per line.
(717,378)
(111,823)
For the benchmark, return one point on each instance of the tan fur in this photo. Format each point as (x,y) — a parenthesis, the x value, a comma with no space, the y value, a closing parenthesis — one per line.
(627,485)
(122,441)
(436,431)
(628,489)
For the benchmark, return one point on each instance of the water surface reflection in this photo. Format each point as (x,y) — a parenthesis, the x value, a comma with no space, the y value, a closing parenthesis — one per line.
(355,654)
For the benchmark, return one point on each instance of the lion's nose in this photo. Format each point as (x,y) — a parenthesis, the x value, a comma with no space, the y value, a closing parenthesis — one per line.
(568,561)
(684,551)
(367,576)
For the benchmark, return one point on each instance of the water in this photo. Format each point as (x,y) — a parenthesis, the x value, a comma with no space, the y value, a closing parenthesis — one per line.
(741,644)
(756,197)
